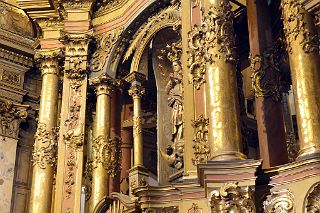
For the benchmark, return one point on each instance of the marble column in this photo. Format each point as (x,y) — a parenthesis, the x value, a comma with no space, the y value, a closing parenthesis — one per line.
(45,146)
(302,46)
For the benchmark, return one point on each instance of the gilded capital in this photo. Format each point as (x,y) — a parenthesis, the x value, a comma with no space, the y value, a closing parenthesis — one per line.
(48,60)
(11,115)
(104,84)
(136,91)
(135,78)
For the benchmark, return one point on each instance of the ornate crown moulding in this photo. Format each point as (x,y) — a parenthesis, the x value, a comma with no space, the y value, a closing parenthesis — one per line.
(16,58)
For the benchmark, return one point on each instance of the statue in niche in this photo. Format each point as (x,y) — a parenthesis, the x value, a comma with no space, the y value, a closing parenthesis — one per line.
(174,88)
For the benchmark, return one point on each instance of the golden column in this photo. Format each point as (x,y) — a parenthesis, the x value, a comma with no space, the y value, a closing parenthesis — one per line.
(45,146)
(213,49)
(302,44)
(138,175)
(101,146)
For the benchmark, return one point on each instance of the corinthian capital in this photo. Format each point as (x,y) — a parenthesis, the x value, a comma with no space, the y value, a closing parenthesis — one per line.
(136,91)
(104,84)
(48,60)
(11,115)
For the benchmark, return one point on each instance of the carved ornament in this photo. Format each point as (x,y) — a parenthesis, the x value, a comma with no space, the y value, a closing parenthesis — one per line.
(116,157)
(295,26)
(292,146)
(195,209)
(49,60)
(232,198)
(87,175)
(107,5)
(16,58)
(262,84)
(77,4)
(313,200)
(168,17)
(280,201)
(9,77)
(101,153)
(11,115)
(104,84)
(136,91)
(45,146)
(106,43)
(212,41)
(73,139)
(201,146)
(70,177)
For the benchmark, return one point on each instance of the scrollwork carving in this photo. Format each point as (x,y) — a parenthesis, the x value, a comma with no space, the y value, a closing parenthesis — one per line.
(266,85)
(201,146)
(294,20)
(313,200)
(45,147)
(73,139)
(106,43)
(280,201)
(213,40)
(232,198)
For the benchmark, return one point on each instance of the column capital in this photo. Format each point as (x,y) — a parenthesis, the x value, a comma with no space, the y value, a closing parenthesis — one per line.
(136,91)
(135,78)
(48,60)
(104,84)
(11,115)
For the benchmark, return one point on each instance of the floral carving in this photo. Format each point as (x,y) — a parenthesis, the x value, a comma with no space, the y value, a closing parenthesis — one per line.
(73,139)
(232,198)
(212,41)
(295,26)
(116,156)
(292,146)
(280,201)
(45,147)
(201,146)
(313,200)
(71,162)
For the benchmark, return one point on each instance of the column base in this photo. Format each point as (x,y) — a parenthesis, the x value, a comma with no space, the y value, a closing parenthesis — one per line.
(138,177)
(308,153)
(228,156)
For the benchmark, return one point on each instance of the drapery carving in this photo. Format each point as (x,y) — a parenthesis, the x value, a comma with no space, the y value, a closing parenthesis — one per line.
(232,198)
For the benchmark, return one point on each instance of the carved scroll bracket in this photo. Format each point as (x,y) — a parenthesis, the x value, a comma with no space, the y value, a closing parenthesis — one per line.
(232,198)
(280,201)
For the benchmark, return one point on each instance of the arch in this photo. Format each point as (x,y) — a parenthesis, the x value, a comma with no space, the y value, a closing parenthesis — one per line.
(168,17)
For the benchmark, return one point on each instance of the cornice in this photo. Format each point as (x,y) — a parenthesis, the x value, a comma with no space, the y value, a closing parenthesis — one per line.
(16,58)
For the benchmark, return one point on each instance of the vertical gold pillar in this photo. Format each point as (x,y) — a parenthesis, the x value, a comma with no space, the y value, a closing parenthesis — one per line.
(136,91)
(221,89)
(101,146)
(302,44)
(44,153)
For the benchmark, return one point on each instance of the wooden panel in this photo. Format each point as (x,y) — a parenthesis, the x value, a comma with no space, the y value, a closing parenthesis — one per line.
(21,198)
(23,166)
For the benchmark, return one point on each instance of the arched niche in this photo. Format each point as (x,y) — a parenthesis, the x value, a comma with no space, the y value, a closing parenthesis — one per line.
(312,200)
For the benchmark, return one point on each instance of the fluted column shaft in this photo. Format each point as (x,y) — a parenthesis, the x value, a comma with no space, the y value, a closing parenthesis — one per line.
(136,92)
(101,146)
(44,154)
(304,58)
(221,88)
